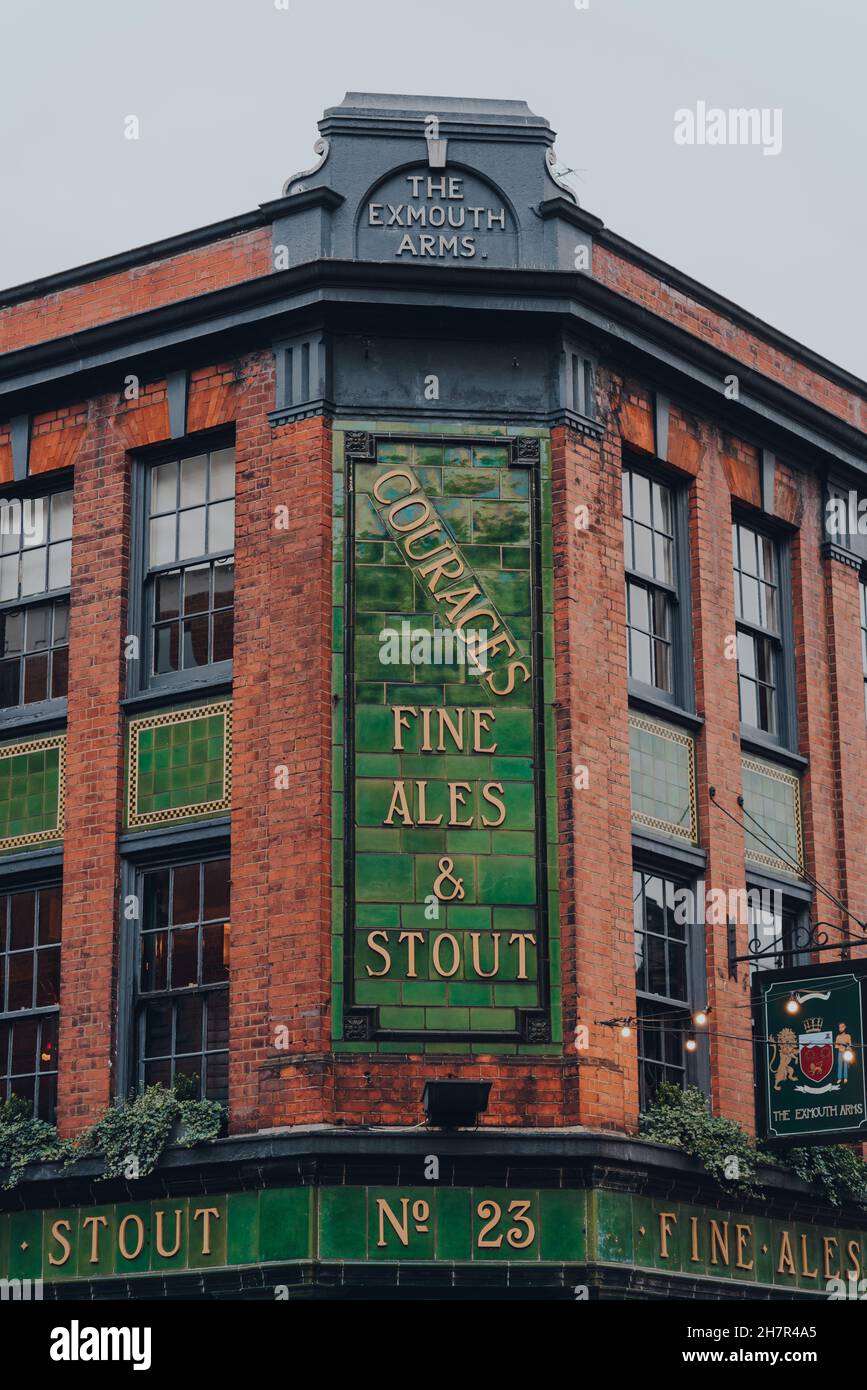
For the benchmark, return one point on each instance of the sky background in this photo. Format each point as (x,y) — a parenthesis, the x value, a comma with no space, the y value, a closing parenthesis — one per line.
(228,92)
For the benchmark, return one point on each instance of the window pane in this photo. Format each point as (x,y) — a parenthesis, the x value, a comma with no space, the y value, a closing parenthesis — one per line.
(61,516)
(222,474)
(188,1025)
(224,623)
(166,648)
(158,1030)
(196,642)
(12,633)
(215,954)
(224,583)
(221,526)
(216,891)
(23,910)
(191,538)
(640,667)
(33,571)
(643,539)
(48,977)
(641,498)
(197,589)
(162,540)
(35,678)
(21,980)
(9,577)
(164,486)
(37,632)
(60,565)
(748,702)
(61,621)
(50,900)
(185,900)
(10,683)
(168,587)
(154,960)
(193,479)
(185,957)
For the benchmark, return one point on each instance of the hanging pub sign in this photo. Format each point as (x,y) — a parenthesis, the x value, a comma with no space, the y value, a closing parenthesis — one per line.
(447,853)
(809,1028)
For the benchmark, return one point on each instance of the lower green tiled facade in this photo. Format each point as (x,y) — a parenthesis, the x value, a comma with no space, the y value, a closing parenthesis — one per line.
(582,1241)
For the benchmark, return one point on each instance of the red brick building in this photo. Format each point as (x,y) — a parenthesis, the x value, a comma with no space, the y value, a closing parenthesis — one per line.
(266,464)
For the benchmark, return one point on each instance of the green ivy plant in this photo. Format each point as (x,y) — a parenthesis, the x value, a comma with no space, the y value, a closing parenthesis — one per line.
(682,1118)
(130,1137)
(25,1139)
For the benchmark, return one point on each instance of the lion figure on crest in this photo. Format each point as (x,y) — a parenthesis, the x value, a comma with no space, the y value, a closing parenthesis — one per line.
(783,1054)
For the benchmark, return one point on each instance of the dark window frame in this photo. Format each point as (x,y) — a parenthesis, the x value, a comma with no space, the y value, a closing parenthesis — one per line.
(696,1065)
(140,682)
(786,736)
(678,594)
(140,852)
(53,709)
(17,881)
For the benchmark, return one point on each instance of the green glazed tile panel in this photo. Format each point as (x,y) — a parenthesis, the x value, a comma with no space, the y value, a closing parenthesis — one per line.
(773,797)
(448,903)
(32,792)
(662,770)
(179,765)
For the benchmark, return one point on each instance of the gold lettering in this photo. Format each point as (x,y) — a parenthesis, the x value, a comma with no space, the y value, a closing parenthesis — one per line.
(457,798)
(786,1257)
(415,499)
(853,1250)
(487,792)
(160,1217)
(719,1239)
(456,729)
(95,1222)
(827,1242)
(507,689)
(441,568)
(480,719)
(742,1235)
(207,1213)
(401,1225)
(456,955)
(422,807)
(693,1240)
(400,723)
(121,1237)
(399,805)
(411,937)
(61,1239)
(387,477)
(426,712)
(475,938)
(665,1230)
(522,938)
(807,1273)
(380,951)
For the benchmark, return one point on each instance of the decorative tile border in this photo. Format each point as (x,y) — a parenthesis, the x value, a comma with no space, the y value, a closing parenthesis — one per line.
(32,771)
(169,759)
(793,782)
(688,832)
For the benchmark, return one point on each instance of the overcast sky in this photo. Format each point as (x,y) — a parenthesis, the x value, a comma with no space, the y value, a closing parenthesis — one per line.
(227,94)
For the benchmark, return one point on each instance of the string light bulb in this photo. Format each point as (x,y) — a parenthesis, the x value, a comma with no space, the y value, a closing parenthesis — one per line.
(626,1031)
(700,1018)
(848,1056)
(691,1044)
(792,1005)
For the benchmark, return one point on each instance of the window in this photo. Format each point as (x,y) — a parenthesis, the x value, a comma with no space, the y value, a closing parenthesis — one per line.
(775,930)
(35,567)
(664,966)
(182,1006)
(30,997)
(190,570)
(758,611)
(657,595)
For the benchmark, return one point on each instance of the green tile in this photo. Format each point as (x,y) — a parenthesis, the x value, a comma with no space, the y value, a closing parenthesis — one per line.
(285,1223)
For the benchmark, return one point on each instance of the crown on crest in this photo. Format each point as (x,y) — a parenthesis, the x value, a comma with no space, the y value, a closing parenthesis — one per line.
(812,1025)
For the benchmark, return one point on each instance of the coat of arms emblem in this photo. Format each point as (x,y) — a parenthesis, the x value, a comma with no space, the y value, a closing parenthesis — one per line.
(815,1051)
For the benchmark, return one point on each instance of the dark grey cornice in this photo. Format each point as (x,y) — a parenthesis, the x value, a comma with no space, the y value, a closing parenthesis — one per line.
(254,310)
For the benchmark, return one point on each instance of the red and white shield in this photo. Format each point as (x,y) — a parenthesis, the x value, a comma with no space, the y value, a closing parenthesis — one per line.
(816,1055)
